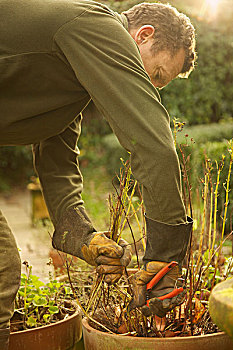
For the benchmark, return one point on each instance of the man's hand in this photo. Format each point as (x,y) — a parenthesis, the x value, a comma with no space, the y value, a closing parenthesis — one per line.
(75,235)
(166,285)
(109,257)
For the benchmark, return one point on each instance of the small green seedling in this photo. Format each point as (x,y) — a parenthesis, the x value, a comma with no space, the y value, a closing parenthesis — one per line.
(38,303)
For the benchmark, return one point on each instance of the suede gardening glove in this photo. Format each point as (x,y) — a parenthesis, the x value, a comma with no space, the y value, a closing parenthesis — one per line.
(75,235)
(109,257)
(164,286)
(165,243)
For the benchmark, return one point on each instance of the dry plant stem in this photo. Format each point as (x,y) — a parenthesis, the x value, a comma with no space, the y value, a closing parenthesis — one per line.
(219,168)
(124,180)
(190,270)
(174,130)
(143,235)
(121,292)
(116,215)
(209,203)
(144,320)
(96,301)
(197,285)
(139,227)
(203,223)
(199,269)
(116,212)
(105,312)
(129,207)
(227,190)
(79,304)
(177,126)
(94,293)
(186,181)
(210,216)
(127,275)
(183,183)
(134,241)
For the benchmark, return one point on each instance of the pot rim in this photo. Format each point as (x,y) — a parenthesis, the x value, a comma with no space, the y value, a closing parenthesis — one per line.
(191,337)
(70,317)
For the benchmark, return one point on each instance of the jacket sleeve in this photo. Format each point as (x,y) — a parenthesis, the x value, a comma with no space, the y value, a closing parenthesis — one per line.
(107,63)
(56,162)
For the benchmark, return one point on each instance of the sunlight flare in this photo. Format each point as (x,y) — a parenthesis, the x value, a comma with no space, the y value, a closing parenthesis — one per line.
(212,6)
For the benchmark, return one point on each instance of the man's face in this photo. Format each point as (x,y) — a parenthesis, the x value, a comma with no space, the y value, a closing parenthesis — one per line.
(161,66)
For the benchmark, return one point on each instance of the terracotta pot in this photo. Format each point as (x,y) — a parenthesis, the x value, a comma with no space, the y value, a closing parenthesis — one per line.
(221,306)
(61,335)
(96,340)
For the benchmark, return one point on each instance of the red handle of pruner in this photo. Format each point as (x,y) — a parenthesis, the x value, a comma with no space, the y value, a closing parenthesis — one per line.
(169,295)
(160,274)
(172,294)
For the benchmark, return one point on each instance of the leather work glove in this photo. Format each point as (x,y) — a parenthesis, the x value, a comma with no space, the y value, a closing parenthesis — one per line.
(109,257)
(75,235)
(164,286)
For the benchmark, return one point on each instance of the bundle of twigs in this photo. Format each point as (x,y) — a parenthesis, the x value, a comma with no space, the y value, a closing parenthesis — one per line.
(205,266)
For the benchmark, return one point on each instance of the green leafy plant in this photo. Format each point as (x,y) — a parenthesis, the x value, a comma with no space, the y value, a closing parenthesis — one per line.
(38,303)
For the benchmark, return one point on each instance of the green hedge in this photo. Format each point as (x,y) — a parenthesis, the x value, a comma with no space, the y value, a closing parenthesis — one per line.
(205,97)
(113,152)
(15,166)
(193,135)
(206,132)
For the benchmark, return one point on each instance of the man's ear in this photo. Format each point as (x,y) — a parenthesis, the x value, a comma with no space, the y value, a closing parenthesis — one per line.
(144,33)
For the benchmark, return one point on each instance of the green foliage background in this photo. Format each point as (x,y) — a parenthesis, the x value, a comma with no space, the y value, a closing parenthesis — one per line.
(205,97)
(15,166)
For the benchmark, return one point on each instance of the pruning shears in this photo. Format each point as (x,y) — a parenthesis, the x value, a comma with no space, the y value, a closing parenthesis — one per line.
(157,278)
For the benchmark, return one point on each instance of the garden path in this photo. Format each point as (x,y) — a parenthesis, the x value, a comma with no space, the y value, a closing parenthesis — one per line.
(34,241)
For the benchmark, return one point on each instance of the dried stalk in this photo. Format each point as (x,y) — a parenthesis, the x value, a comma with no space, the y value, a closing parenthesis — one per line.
(227,190)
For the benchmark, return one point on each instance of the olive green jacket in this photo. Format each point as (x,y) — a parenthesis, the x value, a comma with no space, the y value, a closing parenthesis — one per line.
(55,57)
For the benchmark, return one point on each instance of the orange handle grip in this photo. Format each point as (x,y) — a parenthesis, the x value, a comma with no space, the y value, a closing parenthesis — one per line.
(160,274)
(169,295)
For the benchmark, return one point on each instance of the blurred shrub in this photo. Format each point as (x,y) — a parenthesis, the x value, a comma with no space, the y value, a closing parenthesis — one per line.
(200,134)
(15,166)
(205,97)
(113,153)
(206,132)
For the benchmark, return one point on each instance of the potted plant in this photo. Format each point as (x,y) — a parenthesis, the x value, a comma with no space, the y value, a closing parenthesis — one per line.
(108,326)
(46,316)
